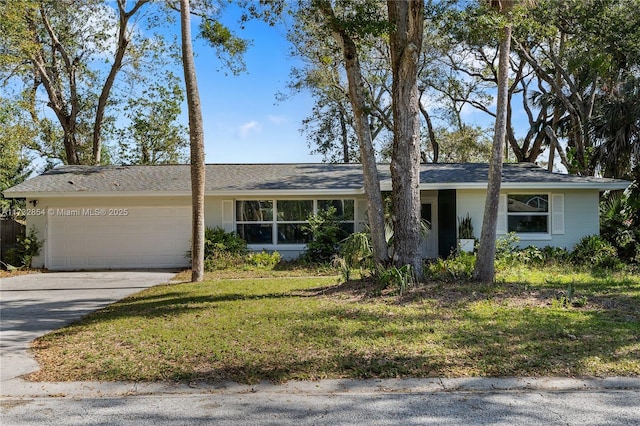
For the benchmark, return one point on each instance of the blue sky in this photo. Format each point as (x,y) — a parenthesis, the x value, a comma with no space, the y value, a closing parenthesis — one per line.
(243,122)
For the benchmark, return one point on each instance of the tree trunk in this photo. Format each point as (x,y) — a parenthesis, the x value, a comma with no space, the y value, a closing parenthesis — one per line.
(405,41)
(375,209)
(196,138)
(432,134)
(485,263)
(121,50)
(345,137)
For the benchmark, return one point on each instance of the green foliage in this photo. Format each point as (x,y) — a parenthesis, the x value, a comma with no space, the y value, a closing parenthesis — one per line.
(224,260)
(506,247)
(26,249)
(229,47)
(264,259)
(531,255)
(595,251)
(15,134)
(465,227)
(218,241)
(154,135)
(356,250)
(555,255)
(454,269)
(466,144)
(340,263)
(400,278)
(568,298)
(326,234)
(620,223)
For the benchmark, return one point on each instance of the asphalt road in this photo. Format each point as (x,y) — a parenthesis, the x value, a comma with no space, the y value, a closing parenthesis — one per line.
(609,407)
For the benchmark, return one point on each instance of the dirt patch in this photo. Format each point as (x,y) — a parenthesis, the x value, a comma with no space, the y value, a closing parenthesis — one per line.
(15,273)
(448,295)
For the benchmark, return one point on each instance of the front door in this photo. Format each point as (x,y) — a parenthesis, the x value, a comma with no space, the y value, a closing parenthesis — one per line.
(429,214)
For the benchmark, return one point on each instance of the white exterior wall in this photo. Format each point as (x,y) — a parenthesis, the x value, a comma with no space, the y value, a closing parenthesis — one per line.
(471,201)
(220,212)
(581,215)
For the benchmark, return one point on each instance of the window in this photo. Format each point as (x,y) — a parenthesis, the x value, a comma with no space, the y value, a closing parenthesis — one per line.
(528,213)
(345,211)
(292,215)
(282,221)
(254,221)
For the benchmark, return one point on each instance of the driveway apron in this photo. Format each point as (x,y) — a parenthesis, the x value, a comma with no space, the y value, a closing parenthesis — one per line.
(35,304)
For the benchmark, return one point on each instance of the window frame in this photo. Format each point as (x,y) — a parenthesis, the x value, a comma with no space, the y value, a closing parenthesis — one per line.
(530,235)
(274,222)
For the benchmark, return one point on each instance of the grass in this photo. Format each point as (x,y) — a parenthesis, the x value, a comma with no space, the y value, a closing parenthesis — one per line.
(249,329)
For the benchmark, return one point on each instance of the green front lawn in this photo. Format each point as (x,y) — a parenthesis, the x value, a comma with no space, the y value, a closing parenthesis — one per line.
(284,328)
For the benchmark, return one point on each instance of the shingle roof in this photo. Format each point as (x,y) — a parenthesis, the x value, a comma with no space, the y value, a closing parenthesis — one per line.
(222,178)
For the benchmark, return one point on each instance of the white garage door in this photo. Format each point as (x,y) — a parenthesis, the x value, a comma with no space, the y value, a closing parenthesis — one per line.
(118,238)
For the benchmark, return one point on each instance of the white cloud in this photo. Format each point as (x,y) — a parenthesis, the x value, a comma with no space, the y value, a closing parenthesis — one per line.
(250,127)
(277,119)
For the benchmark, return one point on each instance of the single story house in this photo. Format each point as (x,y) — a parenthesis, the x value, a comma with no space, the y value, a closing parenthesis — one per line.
(117,217)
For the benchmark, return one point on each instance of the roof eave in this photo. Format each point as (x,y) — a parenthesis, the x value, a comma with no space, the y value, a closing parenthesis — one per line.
(215,193)
(601,186)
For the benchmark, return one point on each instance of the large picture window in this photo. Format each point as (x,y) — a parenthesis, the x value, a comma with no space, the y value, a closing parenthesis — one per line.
(254,221)
(528,213)
(282,221)
(345,212)
(292,215)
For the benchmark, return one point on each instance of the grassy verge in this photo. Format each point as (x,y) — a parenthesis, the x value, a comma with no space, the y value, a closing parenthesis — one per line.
(250,329)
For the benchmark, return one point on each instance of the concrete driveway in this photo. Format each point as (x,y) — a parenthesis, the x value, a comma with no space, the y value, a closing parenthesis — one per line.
(35,304)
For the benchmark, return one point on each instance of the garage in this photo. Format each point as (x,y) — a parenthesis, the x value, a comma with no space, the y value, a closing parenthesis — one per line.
(117,238)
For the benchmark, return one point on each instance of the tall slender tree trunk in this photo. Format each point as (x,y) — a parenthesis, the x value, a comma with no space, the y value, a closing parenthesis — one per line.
(196,138)
(121,50)
(375,209)
(406,41)
(485,263)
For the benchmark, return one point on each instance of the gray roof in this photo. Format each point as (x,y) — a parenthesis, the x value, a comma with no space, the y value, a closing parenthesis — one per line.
(299,178)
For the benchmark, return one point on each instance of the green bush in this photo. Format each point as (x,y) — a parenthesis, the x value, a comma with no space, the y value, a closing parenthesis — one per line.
(555,255)
(264,259)
(26,249)
(456,268)
(595,251)
(620,222)
(326,233)
(217,241)
(507,248)
(400,278)
(356,250)
(224,260)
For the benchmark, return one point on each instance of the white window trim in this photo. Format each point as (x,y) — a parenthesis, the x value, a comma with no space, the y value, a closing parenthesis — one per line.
(503,216)
(274,222)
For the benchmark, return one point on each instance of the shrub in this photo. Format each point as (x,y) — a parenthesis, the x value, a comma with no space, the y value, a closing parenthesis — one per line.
(356,250)
(264,259)
(26,249)
(456,268)
(217,241)
(555,254)
(620,222)
(326,233)
(594,250)
(507,247)
(530,255)
(400,278)
(224,260)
